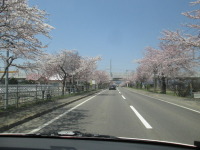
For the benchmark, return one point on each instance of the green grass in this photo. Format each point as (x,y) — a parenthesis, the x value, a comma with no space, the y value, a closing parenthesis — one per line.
(168,92)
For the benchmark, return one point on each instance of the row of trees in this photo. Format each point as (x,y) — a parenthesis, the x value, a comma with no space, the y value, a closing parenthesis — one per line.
(176,56)
(20,27)
(68,66)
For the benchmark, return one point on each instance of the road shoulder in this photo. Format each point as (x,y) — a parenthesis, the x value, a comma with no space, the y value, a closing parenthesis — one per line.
(11,120)
(185,102)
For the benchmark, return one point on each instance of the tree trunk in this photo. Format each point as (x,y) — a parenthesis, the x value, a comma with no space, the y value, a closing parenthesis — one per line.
(155,83)
(163,86)
(63,86)
(63,89)
(6,68)
(140,85)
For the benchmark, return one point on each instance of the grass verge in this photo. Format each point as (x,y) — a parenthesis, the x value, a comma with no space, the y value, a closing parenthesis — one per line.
(22,106)
(168,92)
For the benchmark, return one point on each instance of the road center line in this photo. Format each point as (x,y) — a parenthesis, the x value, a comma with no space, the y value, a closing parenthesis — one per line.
(146,124)
(119,91)
(61,115)
(123,97)
(168,102)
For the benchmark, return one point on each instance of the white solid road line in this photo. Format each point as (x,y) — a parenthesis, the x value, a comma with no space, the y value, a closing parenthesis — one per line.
(169,102)
(61,115)
(146,124)
(123,97)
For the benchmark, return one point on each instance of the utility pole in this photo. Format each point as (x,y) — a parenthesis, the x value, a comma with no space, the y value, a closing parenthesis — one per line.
(6,65)
(127,78)
(6,81)
(111,70)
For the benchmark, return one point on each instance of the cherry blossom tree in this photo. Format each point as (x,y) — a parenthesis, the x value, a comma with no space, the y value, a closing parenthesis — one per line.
(177,61)
(67,63)
(175,58)
(170,61)
(142,75)
(101,77)
(191,40)
(150,65)
(68,66)
(87,68)
(180,48)
(131,77)
(46,66)
(194,14)
(19,26)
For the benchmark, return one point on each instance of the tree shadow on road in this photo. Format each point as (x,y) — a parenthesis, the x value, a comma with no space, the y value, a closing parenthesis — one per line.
(106,94)
(73,121)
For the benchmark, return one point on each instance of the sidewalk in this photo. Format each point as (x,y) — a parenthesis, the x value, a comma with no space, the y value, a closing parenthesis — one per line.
(14,118)
(185,102)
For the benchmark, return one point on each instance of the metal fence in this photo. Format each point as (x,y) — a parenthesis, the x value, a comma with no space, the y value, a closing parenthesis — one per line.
(20,94)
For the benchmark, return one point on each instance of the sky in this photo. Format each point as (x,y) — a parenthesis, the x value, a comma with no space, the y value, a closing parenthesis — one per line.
(116,30)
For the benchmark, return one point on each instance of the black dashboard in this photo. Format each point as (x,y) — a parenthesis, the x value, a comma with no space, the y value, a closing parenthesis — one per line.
(26,143)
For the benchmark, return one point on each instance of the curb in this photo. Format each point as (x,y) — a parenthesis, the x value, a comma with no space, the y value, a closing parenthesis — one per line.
(9,126)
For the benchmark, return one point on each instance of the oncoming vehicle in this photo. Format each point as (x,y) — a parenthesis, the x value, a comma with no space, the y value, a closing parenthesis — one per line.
(112,87)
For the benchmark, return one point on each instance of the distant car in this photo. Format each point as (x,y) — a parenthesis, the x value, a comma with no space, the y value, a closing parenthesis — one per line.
(112,87)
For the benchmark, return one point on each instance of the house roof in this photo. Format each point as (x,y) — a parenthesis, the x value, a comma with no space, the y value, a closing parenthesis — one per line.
(34,76)
(55,77)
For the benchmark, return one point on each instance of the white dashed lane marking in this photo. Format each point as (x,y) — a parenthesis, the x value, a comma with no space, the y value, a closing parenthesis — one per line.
(145,123)
(123,97)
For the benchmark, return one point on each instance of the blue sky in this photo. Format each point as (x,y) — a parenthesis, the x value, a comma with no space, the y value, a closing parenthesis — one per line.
(114,29)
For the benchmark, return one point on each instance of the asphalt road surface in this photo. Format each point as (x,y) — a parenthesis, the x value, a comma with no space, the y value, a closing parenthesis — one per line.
(121,113)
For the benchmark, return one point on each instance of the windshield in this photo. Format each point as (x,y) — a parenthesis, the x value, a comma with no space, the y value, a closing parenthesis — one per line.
(124,68)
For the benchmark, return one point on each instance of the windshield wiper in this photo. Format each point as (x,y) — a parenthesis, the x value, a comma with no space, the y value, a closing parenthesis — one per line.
(197,144)
(81,134)
(62,133)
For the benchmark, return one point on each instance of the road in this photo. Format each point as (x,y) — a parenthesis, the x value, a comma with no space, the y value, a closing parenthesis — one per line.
(121,113)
